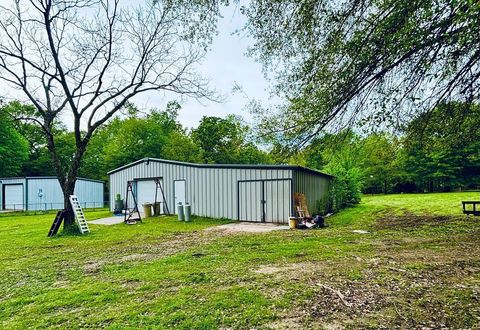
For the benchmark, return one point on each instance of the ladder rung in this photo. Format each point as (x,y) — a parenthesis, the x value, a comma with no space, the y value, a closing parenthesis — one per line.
(79,215)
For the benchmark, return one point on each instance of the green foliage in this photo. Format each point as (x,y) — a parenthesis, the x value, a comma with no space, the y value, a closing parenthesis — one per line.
(157,135)
(442,148)
(438,151)
(13,147)
(121,141)
(136,138)
(225,141)
(182,147)
(39,160)
(340,155)
(368,62)
(381,163)
(346,188)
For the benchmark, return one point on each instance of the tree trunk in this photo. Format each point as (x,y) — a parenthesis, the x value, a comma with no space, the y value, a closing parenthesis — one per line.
(69,186)
(68,189)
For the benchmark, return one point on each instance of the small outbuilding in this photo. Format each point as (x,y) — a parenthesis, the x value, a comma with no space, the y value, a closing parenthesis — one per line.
(259,193)
(45,193)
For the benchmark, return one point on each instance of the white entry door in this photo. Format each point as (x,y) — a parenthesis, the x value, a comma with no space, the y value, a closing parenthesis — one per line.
(13,198)
(179,193)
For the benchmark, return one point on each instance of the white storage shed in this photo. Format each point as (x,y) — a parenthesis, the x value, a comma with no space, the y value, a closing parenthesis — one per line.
(259,193)
(45,193)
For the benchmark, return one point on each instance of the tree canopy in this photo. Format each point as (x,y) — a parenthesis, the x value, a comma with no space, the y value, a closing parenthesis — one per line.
(370,62)
(442,148)
(226,141)
(13,148)
(138,134)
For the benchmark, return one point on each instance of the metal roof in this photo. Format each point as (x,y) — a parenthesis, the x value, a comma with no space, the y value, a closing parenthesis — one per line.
(241,166)
(46,177)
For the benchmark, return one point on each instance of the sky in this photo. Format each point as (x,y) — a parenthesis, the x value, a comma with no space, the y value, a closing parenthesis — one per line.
(226,65)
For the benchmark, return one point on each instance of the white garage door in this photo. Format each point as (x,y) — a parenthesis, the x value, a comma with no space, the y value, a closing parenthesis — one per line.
(13,197)
(146,192)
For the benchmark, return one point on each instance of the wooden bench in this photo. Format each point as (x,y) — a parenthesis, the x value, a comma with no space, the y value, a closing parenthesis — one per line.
(475,210)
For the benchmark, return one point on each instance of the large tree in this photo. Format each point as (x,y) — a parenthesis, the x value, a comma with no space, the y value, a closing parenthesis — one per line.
(369,61)
(227,141)
(83,60)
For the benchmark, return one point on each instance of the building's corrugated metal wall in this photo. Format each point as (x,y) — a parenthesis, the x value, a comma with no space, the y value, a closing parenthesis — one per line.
(52,196)
(12,181)
(265,200)
(90,193)
(212,192)
(313,186)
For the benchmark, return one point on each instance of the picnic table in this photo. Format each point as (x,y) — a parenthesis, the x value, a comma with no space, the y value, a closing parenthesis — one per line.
(473,210)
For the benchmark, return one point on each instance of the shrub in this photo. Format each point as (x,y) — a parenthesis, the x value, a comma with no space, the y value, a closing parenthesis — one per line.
(345,189)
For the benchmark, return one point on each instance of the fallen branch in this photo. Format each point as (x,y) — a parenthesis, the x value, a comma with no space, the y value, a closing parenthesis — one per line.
(397,269)
(338,293)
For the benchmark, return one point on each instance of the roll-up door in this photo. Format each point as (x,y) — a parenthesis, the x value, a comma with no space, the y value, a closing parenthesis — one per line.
(13,197)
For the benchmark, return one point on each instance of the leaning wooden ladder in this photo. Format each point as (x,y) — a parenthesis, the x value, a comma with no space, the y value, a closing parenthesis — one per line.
(79,215)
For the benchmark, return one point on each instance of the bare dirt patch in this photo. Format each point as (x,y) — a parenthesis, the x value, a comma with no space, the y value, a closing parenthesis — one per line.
(353,299)
(289,323)
(170,245)
(411,220)
(92,267)
(248,227)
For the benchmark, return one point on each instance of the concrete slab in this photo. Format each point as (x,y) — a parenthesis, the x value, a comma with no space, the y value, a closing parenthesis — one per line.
(249,227)
(108,221)
(113,220)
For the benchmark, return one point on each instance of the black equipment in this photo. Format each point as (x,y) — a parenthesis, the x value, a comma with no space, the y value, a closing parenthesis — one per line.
(130,211)
(56,223)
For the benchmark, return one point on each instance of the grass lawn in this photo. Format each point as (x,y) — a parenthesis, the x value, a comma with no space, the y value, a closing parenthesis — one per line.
(419,266)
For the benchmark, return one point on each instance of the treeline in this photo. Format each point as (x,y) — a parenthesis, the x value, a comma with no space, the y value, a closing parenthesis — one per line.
(157,134)
(437,151)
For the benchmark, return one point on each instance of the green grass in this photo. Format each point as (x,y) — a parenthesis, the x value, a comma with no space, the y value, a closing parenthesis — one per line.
(418,266)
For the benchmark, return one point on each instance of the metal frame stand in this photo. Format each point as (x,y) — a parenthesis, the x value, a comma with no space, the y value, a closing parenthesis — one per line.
(129,219)
(158,185)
